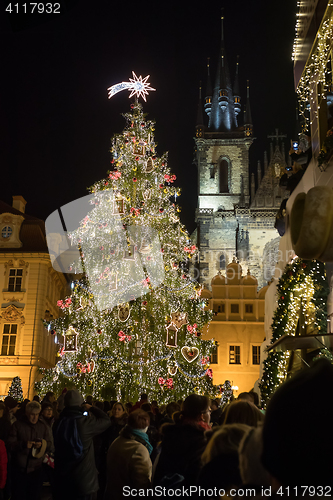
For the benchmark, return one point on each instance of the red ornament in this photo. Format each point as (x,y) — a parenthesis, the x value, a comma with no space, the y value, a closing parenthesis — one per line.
(134,179)
(99,331)
(52,332)
(161,186)
(282,297)
(161,210)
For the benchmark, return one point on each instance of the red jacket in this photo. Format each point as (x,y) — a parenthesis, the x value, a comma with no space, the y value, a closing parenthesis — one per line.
(3,464)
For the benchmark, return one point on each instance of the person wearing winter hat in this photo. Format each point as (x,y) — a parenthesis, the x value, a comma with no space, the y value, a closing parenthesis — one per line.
(74,462)
(297,442)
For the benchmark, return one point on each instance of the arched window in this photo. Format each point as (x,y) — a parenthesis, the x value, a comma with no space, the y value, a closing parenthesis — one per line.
(224,174)
(222,261)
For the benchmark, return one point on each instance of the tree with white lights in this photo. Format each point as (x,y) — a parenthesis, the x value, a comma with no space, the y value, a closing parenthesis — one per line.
(133,324)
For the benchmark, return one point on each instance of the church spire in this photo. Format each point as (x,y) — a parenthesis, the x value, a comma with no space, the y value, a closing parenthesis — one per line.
(199,126)
(248,126)
(222,117)
(237,99)
(209,92)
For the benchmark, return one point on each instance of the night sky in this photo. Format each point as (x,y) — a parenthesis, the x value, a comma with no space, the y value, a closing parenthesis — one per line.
(56,120)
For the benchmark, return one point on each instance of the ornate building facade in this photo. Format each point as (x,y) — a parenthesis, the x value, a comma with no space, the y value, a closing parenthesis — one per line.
(29,289)
(233,217)
(237,327)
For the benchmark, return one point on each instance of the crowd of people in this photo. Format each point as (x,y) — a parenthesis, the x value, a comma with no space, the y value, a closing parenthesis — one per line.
(92,450)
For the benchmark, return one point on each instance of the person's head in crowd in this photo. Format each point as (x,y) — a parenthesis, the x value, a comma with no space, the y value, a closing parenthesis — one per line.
(128,406)
(99,404)
(297,440)
(171,408)
(73,398)
(243,412)
(106,406)
(224,440)
(11,404)
(245,396)
(89,400)
(146,407)
(118,410)
(139,419)
(250,450)
(36,398)
(50,396)
(47,410)
(196,408)
(32,411)
(214,404)
(255,397)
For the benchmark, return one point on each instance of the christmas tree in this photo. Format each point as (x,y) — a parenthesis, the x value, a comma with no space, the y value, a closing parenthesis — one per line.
(133,323)
(227,393)
(15,390)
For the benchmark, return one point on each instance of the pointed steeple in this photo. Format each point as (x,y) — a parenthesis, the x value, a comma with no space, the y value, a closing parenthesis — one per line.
(199,129)
(237,99)
(259,172)
(209,92)
(248,126)
(265,161)
(222,117)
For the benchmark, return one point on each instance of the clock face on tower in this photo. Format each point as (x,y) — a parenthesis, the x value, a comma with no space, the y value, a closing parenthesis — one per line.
(6,232)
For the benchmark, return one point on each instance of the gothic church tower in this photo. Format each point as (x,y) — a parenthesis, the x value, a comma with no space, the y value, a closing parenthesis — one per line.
(227,224)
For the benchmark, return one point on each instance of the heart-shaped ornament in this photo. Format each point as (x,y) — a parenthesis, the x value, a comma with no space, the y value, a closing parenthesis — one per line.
(190,353)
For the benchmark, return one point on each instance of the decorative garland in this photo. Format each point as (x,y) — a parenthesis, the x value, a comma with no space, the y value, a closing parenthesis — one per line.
(316,69)
(302,288)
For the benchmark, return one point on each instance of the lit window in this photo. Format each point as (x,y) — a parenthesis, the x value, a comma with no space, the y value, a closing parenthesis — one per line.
(234,355)
(213,355)
(8,340)
(6,232)
(15,280)
(256,355)
(249,308)
(234,308)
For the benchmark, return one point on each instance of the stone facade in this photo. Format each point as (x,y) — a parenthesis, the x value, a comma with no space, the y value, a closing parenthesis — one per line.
(29,290)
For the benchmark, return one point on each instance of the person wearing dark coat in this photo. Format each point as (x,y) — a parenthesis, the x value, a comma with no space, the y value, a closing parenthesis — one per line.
(183,443)
(28,441)
(74,463)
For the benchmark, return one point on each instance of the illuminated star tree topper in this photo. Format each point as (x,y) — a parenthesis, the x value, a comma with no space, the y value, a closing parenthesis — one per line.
(136,85)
